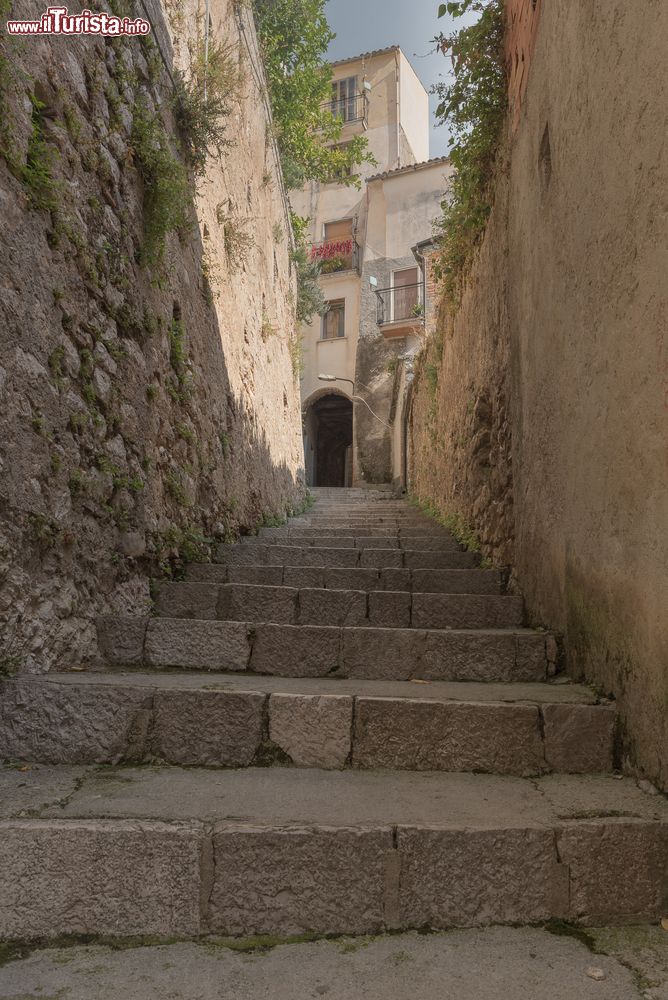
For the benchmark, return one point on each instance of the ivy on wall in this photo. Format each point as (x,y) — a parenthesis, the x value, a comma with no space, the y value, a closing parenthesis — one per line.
(474,106)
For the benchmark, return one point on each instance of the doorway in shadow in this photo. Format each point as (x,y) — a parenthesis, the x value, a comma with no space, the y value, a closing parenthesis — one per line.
(329,432)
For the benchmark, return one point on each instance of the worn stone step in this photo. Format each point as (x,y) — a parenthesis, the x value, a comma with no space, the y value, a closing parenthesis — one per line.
(272,554)
(304,651)
(317,540)
(434,581)
(365,524)
(181,852)
(241,721)
(317,606)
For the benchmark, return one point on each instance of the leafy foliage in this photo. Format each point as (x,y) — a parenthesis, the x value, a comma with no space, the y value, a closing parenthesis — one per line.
(167,194)
(37,172)
(294,35)
(474,105)
(202,104)
(310,299)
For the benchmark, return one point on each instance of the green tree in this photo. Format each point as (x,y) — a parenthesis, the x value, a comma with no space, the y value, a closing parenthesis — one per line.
(474,106)
(294,35)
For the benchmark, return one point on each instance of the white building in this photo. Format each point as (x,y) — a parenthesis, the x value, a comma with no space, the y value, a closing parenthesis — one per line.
(372,274)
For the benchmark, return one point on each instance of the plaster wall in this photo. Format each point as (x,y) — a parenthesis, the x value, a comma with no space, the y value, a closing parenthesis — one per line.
(548,427)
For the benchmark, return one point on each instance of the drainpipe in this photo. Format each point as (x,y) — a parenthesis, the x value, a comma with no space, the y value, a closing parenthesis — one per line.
(397,64)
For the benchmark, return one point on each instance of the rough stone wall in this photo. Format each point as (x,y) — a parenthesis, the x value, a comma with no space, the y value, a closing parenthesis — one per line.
(562,332)
(144,408)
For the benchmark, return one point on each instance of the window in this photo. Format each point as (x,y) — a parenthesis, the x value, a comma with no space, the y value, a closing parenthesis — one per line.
(342,230)
(345,99)
(334,320)
(406,293)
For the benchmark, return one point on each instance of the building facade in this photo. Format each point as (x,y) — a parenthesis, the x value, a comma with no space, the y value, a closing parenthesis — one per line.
(368,239)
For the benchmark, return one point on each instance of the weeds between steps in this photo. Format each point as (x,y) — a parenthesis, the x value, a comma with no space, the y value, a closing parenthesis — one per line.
(456,524)
(260,944)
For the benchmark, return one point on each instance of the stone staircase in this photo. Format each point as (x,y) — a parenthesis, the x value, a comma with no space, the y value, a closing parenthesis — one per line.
(341,726)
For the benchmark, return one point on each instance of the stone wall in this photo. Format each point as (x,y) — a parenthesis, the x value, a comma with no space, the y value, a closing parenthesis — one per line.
(146,406)
(543,418)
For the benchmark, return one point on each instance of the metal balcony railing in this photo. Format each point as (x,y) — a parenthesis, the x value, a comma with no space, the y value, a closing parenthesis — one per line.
(336,255)
(404,302)
(349,109)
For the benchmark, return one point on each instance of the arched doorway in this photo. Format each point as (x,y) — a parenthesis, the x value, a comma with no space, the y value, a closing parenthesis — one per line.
(328,440)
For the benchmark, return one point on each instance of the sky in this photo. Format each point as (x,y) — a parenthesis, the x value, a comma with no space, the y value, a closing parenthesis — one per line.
(363,25)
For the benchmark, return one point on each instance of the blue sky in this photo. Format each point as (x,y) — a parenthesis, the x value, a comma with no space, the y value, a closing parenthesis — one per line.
(363,25)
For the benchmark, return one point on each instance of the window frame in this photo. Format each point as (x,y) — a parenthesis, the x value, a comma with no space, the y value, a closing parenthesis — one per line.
(340,305)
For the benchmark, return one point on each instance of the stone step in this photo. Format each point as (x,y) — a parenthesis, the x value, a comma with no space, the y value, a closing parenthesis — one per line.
(317,606)
(419,543)
(288,531)
(242,721)
(433,581)
(171,852)
(272,554)
(485,655)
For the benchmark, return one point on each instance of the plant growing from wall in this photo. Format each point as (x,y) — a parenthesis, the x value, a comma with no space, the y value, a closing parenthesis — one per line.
(167,194)
(203,103)
(294,35)
(474,106)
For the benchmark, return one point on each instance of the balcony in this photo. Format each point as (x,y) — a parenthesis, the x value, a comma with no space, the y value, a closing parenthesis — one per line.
(349,109)
(400,310)
(336,256)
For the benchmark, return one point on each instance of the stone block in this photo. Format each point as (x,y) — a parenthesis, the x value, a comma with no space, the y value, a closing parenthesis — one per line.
(531,662)
(385,654)
(304,576)
(188,600)
(267,576)
(618,870)
(390,609)
(381,558)
(199,645)
(332,607)
(51,723)
(351,579)
(243,555)
(394,579)
(315,731)
(208,728)
(317,880)
(289,651)
(579,739)
(467,611)
(440,560)
(428,543)
(121,640)
(377,542)
(403,734)
(466,656)
(456,581)
(469,878)
(112,877)
(282,555)
(207,573)
(252,603)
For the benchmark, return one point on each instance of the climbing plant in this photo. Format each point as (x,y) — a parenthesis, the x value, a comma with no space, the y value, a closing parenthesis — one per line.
(473,104)
(294,35)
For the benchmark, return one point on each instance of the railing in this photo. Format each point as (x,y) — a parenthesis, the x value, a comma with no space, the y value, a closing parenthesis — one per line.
(348,109)
(336,255)
(404,302)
